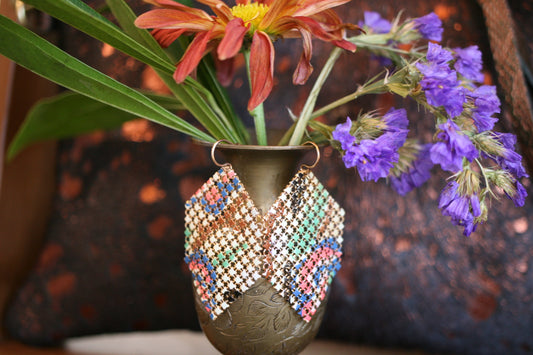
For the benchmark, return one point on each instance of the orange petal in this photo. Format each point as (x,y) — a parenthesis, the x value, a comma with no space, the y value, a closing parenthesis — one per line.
(166,37)
(170,4)
(316,29)
(261,68)
(225,70)
(276,10)
(242,2)
(173,19)
(232,41)
(329,20)
(311,7)
(304,68)
(192,56)
(219,8)
(344,44)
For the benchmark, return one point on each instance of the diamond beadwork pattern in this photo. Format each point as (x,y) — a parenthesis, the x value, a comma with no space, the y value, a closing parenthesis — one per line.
(223,241)
(229,245)
(305,229)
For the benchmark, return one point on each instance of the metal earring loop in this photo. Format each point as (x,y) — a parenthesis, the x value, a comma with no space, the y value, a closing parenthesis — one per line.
(317,155)
(213,148)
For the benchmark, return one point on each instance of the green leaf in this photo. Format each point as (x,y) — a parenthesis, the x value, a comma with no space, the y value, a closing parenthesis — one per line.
(207,77)
(34,53)
(70,114)
(83,17)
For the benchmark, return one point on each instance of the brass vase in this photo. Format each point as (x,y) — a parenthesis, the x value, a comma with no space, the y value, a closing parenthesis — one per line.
(260,321)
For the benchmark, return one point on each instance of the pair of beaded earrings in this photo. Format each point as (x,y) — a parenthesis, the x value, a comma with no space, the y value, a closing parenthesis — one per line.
(296,245)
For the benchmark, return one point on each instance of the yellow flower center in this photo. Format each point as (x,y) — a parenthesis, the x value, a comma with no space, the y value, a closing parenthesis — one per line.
(252,13)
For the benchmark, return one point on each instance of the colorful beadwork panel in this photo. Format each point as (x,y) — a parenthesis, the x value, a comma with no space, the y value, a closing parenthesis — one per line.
(229,245)
(305,229)
(223,241)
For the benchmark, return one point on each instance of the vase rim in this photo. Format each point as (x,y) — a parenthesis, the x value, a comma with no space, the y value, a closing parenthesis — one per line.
(224,145)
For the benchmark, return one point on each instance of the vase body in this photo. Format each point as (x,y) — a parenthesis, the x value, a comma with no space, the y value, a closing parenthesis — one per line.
(260,320)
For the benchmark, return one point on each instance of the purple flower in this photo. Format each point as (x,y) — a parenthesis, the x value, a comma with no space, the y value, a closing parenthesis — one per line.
(342,134)
(396,120)
(463,209)
(519,197)
(509,159)
(438,55)
(452,147)
(430,27)
(469,63)
(487,104)
(440,83)
(372,158)
(374,21)
(418,173)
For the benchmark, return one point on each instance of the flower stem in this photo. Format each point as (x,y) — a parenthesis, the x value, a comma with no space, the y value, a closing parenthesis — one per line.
(257,113)
(377,87)
(305,115)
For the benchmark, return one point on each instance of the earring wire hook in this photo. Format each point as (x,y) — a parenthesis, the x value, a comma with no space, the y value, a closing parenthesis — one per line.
(317,155)
(213,149)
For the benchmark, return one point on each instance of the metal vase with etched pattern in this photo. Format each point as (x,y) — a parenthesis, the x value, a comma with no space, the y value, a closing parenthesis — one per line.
(263,244)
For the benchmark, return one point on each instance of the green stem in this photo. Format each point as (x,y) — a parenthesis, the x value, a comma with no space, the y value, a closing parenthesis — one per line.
(287,136)
(361,91)
(257,113)
(307,110)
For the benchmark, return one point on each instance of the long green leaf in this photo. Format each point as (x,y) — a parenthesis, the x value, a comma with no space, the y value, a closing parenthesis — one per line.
(207,76)
(34,53)
(70,114)
(81,16)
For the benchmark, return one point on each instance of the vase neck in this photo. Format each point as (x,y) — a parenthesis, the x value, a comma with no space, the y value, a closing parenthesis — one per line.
(264,173)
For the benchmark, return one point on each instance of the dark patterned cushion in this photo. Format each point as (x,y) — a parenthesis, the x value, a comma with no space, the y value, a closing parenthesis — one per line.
(114,256)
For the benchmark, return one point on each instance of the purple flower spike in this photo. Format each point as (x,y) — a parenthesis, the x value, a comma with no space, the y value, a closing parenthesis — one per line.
(342,134)
(487,104)
(451,149)
(463,209)
(372,158)
(430,27)
(469,63)
(419,173)
(438,55)
(510,160)
(440,83)
(396,120)
(374,21)
(519,197)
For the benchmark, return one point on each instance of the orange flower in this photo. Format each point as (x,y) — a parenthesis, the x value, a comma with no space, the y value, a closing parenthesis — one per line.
(231,28)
